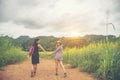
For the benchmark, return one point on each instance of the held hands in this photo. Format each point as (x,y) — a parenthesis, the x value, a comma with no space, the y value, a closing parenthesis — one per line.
(49,53)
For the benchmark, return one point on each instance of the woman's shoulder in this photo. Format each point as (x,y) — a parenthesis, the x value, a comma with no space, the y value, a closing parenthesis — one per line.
(61,47)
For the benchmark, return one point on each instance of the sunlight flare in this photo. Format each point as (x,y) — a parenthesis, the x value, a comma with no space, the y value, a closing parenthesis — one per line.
(74,34)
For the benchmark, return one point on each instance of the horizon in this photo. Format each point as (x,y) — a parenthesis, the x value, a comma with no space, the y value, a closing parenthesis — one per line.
(58,36)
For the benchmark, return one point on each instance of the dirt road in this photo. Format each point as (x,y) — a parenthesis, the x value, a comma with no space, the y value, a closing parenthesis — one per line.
(45,71)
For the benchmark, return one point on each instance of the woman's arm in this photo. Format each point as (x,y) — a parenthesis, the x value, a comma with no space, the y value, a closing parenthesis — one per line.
(57,49)
(41,48)
(60,47)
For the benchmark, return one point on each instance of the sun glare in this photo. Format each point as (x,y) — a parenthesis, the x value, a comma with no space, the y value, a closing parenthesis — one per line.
(74,34)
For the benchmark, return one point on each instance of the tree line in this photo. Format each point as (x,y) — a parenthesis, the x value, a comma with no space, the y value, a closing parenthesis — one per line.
(48,42)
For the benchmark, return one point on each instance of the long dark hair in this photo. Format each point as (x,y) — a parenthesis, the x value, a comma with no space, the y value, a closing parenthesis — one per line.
(35,41)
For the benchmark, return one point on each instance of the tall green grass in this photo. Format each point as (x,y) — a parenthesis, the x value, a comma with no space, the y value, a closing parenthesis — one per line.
(8,53)
(101,59)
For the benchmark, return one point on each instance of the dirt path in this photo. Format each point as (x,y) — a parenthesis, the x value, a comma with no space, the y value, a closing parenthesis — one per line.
(45,71)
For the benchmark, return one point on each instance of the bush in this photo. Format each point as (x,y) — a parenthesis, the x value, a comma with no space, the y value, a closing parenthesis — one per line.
(8,53)
(101,59)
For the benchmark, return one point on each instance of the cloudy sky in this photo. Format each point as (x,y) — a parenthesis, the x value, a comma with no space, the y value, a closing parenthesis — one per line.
(58,17)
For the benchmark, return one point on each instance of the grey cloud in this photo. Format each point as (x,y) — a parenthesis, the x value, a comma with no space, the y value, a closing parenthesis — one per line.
(117,4)
(29,3)
(37,14)
(10,10)
(29,24)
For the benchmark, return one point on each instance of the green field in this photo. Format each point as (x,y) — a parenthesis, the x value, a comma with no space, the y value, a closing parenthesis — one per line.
(100,59)
(10,54)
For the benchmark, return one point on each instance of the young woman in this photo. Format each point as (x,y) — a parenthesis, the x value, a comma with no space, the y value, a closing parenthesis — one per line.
(58,58)
(35,56)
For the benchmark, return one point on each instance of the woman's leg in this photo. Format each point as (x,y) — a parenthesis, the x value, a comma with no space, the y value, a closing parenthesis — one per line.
(34,68)
(56,66)
(62,66)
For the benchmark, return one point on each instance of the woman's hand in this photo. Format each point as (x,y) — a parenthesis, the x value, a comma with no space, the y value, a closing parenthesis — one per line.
(28,57)
(50,54)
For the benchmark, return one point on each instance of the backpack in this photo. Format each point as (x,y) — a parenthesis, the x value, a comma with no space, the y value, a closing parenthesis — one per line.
(31,50)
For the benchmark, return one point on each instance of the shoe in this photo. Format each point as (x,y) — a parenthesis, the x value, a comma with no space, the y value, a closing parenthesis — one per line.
(33,74)
(65,75)
(56,74)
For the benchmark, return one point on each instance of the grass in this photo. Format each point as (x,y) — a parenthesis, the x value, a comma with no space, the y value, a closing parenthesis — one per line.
(100,59)
(10,54)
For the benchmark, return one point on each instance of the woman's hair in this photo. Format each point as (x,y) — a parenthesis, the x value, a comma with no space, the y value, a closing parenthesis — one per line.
(59,43)
(35,41)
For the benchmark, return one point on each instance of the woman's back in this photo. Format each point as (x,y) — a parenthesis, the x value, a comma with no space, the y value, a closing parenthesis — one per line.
(58,53)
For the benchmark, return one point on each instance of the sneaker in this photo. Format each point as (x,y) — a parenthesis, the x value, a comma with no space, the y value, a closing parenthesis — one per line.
(65,75)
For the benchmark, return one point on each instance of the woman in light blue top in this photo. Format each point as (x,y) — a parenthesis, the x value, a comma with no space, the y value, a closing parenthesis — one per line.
(58,57)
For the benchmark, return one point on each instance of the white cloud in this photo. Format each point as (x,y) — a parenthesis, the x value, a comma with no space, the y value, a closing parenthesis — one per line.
(58,17)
